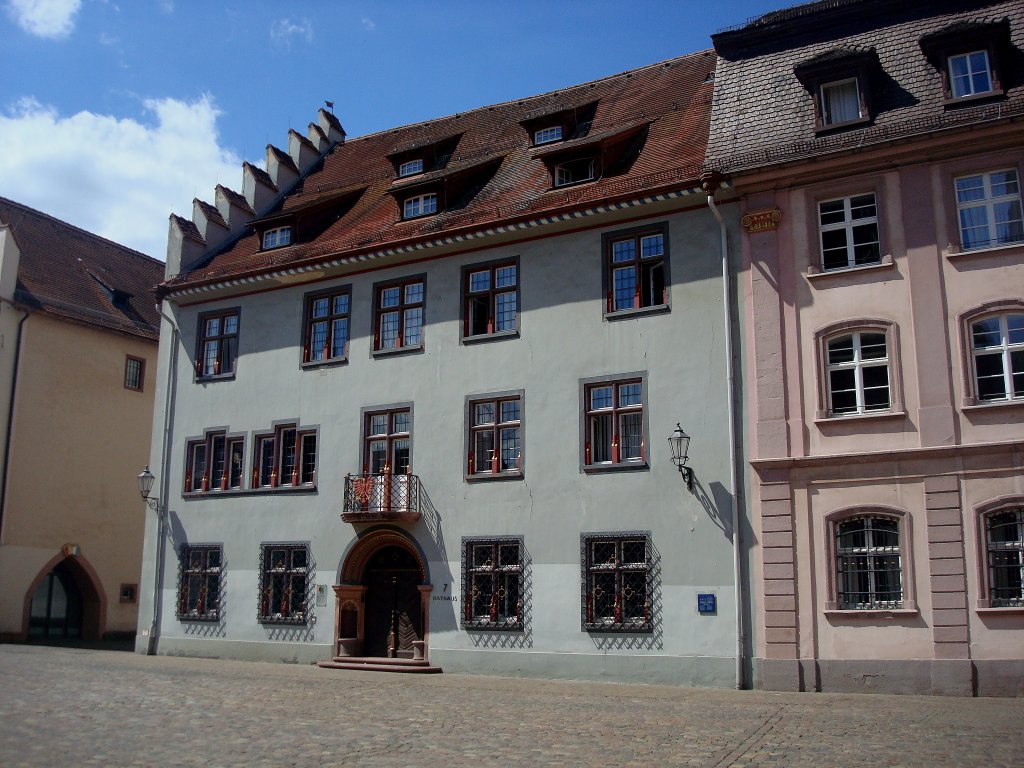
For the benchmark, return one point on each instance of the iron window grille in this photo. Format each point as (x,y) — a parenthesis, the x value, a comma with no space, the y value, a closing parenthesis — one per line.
(868,563)
(399,316)
(285,457)
(857,371)
(636,272)
(495,437)
(614,419)
(617,583)
(997,348)
(200,572)
(285,581)
(989,209)
(214,463)
(134,373)
(492,583)
(848,229)
(217,350)
(491,300)
(1005,555)
(326,333)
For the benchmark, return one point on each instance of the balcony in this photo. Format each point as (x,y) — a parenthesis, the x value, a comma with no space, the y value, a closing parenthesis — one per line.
(381,498)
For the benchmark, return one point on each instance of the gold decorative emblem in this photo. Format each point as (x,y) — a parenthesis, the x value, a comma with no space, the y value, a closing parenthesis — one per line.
(762,221)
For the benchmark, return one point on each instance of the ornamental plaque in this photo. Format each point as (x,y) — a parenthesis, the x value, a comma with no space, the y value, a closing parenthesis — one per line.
(762,221)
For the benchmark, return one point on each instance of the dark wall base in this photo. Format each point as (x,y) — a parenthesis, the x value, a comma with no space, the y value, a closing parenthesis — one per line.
(939,677)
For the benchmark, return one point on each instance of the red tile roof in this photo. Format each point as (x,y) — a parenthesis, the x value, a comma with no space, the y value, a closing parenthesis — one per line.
(76,275)
(672,99)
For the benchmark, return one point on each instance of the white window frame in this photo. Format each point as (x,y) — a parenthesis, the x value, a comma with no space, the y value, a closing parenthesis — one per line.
(850,225)
(966,57)
(410,167)
(420,205)
(563,175)
(857,365)
(823,102)
(989,203)
(548,135)
(1005,349)
(278,237)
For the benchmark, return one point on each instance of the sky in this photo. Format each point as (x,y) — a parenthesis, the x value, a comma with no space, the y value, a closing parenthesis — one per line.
(116,113)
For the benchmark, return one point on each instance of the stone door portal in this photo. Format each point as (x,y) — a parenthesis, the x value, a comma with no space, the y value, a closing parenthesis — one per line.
(394,605)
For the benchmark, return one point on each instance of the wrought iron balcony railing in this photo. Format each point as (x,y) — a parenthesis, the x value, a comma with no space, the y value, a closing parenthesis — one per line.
(384,497)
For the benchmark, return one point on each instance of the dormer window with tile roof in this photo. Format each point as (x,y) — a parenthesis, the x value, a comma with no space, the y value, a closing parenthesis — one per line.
(841,82)
(547,135)
(599,155)
(967,56)
(278,237)
(562,125)
(410,167)
(419,205)
(575,172)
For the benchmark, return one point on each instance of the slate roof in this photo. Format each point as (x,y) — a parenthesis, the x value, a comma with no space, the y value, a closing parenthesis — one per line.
(75,275)
(763,115)
(671,98)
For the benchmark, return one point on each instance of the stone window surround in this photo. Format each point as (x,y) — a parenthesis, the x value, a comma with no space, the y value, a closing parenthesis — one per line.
(964,320)
(833,191)
(307,322)
(466,338)
(982,511)
(470,400)
(615,380)
(892,342)
(948,215)
(831,521)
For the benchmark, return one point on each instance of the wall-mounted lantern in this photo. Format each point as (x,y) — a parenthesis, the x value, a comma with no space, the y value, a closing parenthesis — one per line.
(679,445)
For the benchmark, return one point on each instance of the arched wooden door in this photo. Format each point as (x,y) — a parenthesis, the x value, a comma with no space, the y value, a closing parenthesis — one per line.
(394,605)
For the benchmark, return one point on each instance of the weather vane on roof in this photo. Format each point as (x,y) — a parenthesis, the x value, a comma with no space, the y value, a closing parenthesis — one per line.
(330,105)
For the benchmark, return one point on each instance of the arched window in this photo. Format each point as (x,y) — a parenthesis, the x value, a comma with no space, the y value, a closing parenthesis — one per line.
(858,369)
(869,560)
(992,338)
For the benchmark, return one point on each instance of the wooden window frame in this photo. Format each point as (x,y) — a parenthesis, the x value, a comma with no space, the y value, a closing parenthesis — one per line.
(206,610)
(490,294)
(588,413)
(331,318)
(281,237)
(822,336)
(232,445)
(141,378)
(967,351)
(565,166)
(401,309)
(496,574)
(270,451)
(288,571)
(410,167)
(421,209)
(591,570)
(643,266)
(203,339)
(849,225)
(390,438)
(988,201)
(492,469)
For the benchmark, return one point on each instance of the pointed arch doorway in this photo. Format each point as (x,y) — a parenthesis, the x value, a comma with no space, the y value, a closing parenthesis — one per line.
(64,603)
(383,599)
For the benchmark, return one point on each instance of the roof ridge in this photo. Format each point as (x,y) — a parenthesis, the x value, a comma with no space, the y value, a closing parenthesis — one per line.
(536,96)
(92,235)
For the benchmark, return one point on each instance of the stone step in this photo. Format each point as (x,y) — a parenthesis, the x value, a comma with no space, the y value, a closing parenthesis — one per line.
(374,664)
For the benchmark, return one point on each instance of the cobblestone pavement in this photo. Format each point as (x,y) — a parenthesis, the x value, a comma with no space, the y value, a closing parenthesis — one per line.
(63,707)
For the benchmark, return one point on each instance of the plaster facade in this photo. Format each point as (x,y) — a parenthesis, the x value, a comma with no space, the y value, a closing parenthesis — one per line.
(936,458)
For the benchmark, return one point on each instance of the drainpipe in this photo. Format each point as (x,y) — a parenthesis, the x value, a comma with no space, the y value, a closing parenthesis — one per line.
(10,414)
(710,184)
(164,491)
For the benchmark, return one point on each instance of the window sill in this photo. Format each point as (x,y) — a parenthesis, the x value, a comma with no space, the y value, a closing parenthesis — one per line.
(989,610)
(625,314)
(194,495)
(817,274)
(199,619)
(283,621)
(987,250)
(823,418)
(952,102)
(396,351)
(330,362)
(823,130)
(484,477)
(483,338)
(210,379)
(872,613)
(631,466)
(618,629)
(972,405)
(485,626)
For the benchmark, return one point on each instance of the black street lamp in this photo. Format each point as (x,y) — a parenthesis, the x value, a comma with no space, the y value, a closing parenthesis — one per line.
(679,445)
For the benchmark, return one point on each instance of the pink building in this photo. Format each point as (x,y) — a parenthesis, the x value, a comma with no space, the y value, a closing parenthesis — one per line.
(878,150)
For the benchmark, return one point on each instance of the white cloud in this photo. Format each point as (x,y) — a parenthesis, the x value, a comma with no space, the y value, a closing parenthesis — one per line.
(119,178)
(45,18)
(370,24)
(166,6)
(283,31)
(108,39)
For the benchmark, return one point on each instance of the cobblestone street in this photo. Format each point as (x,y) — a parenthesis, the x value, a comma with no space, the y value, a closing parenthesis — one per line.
(64,706)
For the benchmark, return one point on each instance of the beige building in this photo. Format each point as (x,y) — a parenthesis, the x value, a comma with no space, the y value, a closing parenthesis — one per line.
(78,334)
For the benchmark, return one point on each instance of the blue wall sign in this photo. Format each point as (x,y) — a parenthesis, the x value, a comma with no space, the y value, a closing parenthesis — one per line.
(707,603)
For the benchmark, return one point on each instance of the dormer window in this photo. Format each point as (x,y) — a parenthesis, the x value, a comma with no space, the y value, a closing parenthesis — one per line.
(411,167)
(277,238)
(547,135)
(840,102)
(969,74)
(574,172)
(969,57)
(420,205)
